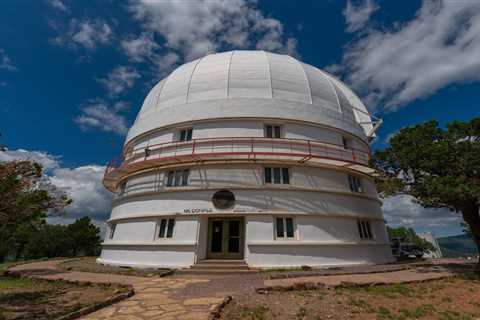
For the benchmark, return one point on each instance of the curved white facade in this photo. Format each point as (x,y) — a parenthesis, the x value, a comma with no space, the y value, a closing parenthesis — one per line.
(282,145)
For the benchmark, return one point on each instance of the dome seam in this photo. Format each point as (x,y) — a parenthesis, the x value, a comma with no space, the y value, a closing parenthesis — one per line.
(269,73)
(333,88)
(159,93)
(306,79)
(228,73)
(190,80)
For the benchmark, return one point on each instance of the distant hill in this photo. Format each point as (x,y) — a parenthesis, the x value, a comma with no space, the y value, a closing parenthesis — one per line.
(457,246)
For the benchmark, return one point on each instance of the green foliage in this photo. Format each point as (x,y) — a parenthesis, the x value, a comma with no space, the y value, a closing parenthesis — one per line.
(411,236)
(79,238)
(25,201)
(439,167)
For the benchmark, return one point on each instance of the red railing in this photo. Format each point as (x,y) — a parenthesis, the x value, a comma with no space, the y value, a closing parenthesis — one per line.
(251,148)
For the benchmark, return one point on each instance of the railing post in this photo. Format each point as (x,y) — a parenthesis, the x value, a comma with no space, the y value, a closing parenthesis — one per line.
(353,155)
(309,149)
(193,147)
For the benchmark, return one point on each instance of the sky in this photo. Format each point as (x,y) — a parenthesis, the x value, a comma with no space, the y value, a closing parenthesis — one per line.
(73,74)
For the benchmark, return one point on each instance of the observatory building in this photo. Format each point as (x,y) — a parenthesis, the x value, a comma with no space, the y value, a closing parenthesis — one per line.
(246,155)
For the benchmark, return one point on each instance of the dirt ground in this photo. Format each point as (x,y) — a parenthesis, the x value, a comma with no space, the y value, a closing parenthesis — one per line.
(88,264)
(22,298)
(455,298)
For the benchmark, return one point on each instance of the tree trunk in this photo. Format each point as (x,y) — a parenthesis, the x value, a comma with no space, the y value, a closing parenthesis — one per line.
(471,215)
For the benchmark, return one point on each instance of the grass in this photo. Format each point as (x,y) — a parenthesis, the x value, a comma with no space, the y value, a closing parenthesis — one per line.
(256,313)
(7,283)
(391,291)
(418,312)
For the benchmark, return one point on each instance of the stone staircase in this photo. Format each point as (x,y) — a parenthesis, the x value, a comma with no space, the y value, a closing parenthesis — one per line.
(217,266)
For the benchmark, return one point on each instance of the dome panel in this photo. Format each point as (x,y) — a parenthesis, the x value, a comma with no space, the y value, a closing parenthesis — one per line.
(210,78)
(176,85)
(150,102)
(321,89)
(249,75)
(288,79)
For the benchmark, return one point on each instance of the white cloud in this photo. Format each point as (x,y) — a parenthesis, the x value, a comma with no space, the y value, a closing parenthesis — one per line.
(87,33)
(192,29)
(47,160)
(98,115)
(121,78)
(138,49)
(356,16)
(82,184)
(414,59)
(6,62)
(59,5)
(401,210)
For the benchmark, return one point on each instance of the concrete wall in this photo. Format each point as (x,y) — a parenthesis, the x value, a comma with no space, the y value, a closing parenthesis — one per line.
(248,128)
(231,176)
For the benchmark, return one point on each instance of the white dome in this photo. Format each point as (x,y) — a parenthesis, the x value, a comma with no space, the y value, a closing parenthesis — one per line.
(246,84)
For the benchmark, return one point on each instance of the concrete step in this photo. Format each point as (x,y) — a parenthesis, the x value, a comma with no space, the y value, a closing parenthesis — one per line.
(221,261)
(213,271)
(220,266)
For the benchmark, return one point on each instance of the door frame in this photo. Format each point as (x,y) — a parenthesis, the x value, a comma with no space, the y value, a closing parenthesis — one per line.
(224,255)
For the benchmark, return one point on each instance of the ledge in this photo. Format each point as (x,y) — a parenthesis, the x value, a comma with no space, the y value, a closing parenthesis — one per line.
(145,243)
(314,243)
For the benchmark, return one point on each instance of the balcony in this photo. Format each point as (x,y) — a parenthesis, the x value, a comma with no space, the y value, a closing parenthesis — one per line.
(235,150)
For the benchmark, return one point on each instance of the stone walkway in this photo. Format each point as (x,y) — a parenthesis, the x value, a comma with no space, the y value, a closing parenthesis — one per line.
(193,296)
(155,298)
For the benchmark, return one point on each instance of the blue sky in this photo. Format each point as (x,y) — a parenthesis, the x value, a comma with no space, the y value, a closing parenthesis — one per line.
(73,76)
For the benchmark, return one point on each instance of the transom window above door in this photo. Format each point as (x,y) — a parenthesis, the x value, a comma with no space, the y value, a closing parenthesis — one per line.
(186,134)
(273,131)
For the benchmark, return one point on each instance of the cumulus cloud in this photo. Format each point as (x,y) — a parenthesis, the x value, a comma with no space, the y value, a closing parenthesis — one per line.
(401,210)
(86,33)
(191,30)
(121,78)
(99,115)
(416,58)
(59,5)
(82,184)
(356,16)
(6,62)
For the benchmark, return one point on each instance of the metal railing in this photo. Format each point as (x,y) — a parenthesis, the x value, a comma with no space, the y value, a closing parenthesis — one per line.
(250,148)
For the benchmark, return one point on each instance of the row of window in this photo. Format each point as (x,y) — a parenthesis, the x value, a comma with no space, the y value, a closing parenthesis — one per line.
(284,229)
(176,178)
(270,131)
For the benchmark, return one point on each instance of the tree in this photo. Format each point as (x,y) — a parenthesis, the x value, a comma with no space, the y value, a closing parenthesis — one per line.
(26,199)
(84,237)
(411,236)
(439,167)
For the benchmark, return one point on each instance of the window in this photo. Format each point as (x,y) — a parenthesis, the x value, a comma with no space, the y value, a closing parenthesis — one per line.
(364,230)
(186,134)
(284,228)
(346,143)
(112,230)
(277,175)
(178,178)
(272,131)
(165,228)
(354,183)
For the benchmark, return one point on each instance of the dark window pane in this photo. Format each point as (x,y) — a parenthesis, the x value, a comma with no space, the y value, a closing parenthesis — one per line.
(276,175)
(171,224)
(268,175)
(289,223)
(345,143)
(268,133)
(234,228)
(185,175)
(170,178)
(360,232)
(178,177)
(189,135)
(163,226)
(369,230)
(182,135)
(112,230)
(234,245)
(280,232)
(217,236)
(277,132)
(285,176)
(364,230)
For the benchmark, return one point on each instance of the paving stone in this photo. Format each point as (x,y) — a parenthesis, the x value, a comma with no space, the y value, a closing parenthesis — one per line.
(201,301)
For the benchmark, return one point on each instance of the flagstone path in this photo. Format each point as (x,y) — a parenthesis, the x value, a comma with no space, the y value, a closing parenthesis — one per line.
(192,297)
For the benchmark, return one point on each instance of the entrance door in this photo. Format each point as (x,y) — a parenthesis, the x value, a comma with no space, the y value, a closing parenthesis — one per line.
(225,238)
